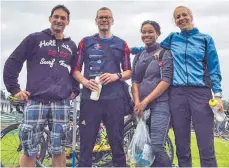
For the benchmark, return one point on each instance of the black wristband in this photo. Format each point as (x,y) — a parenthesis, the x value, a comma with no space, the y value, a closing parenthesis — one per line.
(119,75)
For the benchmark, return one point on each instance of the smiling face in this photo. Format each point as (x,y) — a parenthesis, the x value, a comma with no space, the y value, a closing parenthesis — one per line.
(104,20)
(183,18)
(149,35)
(59,20)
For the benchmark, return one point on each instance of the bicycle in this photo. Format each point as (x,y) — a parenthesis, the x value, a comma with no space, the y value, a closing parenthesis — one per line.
(11,148)
(101,152)
(102,156)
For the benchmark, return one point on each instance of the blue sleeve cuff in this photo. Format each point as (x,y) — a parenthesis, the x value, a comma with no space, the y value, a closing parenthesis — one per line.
(135,50)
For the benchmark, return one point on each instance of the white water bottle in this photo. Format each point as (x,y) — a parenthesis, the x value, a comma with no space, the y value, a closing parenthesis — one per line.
(214,104)
(96,94)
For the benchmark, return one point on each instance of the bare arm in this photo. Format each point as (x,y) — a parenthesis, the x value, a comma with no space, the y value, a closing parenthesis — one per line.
(126,75)
(90,84)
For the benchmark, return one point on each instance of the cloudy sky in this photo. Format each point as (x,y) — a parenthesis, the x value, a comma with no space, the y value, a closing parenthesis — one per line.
(20,18)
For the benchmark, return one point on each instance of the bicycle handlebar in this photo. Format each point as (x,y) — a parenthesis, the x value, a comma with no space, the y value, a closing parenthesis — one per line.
(15,102)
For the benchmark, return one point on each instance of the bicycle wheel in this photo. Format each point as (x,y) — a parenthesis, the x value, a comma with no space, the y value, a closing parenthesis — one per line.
(10,146)
(44,159)
(128,135)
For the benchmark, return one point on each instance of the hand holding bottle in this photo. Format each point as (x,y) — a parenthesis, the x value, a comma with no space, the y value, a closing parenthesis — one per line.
(216,108)
(95,94)
(221,109)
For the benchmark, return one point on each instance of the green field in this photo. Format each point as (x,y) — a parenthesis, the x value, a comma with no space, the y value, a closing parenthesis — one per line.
(221,148)
(9,150)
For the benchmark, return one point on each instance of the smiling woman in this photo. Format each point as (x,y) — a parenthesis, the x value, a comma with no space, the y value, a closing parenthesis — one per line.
(196,74)
(151,77)
(183,18)
(150,32)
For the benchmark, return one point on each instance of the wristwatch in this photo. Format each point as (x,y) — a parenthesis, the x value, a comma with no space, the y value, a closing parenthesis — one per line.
(219,94)
(119,76)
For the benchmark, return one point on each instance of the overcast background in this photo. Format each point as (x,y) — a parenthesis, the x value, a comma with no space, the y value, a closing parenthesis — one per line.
(20,18)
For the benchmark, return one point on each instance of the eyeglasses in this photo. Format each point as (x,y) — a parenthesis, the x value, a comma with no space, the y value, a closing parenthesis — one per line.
(104,17)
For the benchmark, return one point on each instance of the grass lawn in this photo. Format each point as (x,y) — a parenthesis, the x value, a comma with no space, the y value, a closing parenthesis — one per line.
(221,147)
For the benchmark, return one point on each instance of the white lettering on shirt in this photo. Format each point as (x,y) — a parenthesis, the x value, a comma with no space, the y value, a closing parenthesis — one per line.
(50,63)
(67,47)
(49,43)
(62,63)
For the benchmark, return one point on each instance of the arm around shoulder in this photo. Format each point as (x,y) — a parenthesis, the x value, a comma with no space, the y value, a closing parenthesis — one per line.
(166,43)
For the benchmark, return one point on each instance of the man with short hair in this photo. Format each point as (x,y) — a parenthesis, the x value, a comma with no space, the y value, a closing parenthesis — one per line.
(102,55)
(50,60)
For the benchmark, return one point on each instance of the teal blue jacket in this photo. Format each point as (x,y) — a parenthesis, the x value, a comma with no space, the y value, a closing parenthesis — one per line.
(195,59)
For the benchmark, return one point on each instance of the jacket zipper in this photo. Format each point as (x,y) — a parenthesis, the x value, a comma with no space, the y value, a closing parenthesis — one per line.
(186,59)
(58,50)
(58,55)
(57,46)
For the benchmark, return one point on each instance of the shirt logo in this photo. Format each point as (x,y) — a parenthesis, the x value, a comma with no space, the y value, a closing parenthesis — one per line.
(97,46)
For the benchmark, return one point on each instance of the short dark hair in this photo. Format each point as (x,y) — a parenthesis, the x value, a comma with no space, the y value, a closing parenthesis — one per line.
(64,8)
(155,25)
(103,8)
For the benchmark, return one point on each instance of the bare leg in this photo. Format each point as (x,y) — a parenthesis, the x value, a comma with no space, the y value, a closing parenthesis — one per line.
(27,161)
(59,160)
